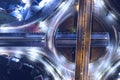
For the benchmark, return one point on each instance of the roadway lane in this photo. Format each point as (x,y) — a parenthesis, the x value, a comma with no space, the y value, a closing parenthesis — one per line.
(109,19)
(84,27)
(61,39)
(65,10)
(33,61)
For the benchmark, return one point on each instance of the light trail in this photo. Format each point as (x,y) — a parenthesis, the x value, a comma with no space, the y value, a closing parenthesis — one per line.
(66,67)
(37,57)
(99,67)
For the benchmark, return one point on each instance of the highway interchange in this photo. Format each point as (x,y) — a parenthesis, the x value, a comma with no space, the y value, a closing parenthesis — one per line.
(47,27)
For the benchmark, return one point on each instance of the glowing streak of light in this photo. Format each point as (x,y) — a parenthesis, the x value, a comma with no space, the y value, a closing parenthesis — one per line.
(111,17)
(33,52)
(44,2)
(62,4)
(99,3)
(43,27)
(54,24)
(111,69)
(99,67)
(64,66)
(7,27)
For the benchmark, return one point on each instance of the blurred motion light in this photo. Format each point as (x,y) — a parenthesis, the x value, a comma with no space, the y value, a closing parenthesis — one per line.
(43,26)
(111,16)
(113,72)
(32,65)
(99,3)
(26,10)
